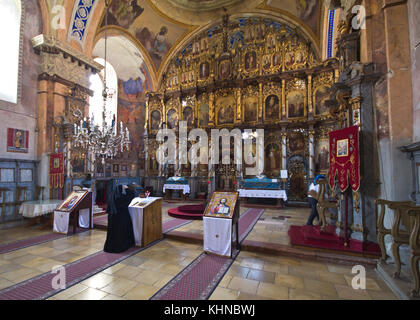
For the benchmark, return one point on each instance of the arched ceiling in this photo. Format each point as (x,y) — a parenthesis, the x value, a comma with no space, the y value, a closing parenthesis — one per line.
(201,5)
(162,27)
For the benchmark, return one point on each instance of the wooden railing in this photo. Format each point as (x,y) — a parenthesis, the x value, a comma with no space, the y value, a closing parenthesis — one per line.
(405,230)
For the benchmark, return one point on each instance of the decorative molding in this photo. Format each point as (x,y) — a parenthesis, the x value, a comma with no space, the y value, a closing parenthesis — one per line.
(80,20)
(60,60)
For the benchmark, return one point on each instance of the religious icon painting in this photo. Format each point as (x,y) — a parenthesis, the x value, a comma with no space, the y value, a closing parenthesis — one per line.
(250,61)
(222,205)
(188,116)
(78,165)
(342,148)
(272,157)
(300,57)
(155,120)
(289,59)
(251,109)
(267,61)
(226,112)
(204,115)
(191,76)
(296,104)
(172,118)
(204,70)
(322,155)
(204,44)
(260,31)
(272,107)
(321,94)
(72,200)
(17,140)
(224,69)
(277,59)
(271,42)
(296,142)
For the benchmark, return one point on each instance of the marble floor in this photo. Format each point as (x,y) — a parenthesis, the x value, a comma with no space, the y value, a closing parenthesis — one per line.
(251,276)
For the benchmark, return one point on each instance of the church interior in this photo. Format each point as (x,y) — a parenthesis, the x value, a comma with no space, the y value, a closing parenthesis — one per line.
(111,187)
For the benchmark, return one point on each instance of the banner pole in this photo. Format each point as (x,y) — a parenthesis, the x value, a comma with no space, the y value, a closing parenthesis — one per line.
(346,214)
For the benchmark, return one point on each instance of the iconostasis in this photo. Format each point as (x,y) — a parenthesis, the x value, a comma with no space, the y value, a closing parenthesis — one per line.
(251,72)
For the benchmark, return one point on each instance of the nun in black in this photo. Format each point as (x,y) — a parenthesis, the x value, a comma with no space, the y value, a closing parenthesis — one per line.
(120,235)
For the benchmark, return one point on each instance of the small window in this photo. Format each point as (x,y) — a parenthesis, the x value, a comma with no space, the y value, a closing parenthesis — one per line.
(97,86)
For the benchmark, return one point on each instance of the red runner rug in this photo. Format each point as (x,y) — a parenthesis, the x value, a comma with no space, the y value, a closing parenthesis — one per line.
(40,287)
(33,241)
(199,279)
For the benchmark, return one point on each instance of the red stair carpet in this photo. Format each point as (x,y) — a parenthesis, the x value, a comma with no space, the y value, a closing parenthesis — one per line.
(190,212)
(314,237)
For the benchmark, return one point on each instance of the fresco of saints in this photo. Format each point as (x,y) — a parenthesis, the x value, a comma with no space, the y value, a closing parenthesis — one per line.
(160,45)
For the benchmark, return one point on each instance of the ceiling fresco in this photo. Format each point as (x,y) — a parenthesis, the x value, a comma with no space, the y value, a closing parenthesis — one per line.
(308,11)
(161,27)
(152,30)
(135,79)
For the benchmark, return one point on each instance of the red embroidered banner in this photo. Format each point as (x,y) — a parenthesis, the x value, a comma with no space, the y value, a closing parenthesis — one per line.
(57,170)
(344,158)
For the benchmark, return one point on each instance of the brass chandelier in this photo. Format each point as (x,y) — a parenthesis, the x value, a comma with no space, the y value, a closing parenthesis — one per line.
(104,141)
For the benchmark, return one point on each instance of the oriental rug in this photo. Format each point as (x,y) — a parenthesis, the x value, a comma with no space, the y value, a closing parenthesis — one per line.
(200,278)
(40,287)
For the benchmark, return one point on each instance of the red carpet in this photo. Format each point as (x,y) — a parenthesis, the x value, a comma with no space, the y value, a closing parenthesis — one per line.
(16,245)
(312,236)
(199,279)
(40,287)
(194,212)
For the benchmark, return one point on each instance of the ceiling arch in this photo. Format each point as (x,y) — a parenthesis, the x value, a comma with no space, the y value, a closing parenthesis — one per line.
(120,42)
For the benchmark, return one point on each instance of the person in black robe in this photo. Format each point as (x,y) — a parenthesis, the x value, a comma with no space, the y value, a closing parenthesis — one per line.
(120,235)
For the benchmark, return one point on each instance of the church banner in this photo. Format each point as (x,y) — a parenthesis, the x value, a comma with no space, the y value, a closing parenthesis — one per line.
(57,170)
(344,158)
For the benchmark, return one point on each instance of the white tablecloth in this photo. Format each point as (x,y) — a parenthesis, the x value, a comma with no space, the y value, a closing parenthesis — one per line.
(32,209)
(136,214)
(184,187)
(218,235)
(260,193)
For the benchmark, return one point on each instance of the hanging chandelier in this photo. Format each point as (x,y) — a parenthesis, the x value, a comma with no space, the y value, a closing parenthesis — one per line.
(104,141)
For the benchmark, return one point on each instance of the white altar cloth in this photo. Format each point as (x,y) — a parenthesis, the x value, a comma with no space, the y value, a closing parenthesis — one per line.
(33,209)
(184,187)
(260,193)
(218,235)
